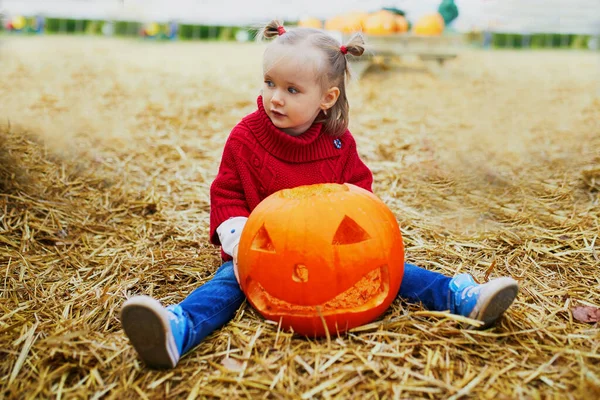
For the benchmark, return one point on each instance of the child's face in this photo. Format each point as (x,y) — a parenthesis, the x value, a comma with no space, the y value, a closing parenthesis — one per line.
(292,97)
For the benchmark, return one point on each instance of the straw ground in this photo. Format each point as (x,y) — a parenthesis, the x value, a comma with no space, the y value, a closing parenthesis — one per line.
(107,152)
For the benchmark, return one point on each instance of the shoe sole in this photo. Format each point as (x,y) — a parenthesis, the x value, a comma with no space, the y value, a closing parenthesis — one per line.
(492,307)
(146,325)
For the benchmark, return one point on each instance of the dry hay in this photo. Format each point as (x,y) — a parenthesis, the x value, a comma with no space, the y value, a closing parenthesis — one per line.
(105,169)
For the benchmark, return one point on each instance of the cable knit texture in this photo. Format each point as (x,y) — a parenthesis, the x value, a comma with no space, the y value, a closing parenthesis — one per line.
(259,159)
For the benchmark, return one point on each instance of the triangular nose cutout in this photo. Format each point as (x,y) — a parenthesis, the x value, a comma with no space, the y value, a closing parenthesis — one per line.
(349,232)
(262,241)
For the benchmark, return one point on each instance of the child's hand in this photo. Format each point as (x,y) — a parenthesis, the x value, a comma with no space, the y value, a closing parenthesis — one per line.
(235,266)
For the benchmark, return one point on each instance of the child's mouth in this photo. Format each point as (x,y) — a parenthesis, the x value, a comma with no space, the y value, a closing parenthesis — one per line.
(277,113)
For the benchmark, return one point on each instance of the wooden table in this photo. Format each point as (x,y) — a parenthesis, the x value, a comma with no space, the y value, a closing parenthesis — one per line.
(432,50)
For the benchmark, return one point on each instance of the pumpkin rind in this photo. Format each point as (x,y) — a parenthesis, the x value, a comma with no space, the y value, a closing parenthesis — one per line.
(318,253)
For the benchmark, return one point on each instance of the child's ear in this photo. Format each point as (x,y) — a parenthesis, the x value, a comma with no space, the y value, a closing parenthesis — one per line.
(330,97)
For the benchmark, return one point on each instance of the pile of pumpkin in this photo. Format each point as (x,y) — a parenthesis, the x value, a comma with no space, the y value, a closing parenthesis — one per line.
(383,22)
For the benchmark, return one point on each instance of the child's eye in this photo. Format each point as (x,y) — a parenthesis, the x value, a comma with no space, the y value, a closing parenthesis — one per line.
(269,83)
(293,90)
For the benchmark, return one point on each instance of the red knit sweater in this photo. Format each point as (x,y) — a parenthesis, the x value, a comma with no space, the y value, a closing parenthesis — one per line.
(259,159)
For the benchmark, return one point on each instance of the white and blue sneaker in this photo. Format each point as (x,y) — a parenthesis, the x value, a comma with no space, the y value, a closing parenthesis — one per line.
(486,302)
(156,332)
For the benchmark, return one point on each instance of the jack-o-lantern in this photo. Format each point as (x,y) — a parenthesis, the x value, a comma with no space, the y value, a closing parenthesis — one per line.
(321,255)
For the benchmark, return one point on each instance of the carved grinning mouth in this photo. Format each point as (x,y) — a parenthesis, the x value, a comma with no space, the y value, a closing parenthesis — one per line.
(370,291)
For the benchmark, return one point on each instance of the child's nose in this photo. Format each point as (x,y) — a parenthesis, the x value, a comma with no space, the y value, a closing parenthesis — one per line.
(277,98)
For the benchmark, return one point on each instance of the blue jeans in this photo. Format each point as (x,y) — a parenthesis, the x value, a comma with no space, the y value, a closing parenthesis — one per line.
(215,303)
(212,305)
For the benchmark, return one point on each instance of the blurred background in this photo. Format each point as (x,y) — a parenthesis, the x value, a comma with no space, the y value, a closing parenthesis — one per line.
(488,23)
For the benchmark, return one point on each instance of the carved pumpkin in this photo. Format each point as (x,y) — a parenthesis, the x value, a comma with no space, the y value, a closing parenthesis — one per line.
(310,23)
(321,255)
(381,23)
(430,25)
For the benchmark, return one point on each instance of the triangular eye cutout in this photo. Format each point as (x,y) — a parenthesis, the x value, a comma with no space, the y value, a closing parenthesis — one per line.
(349,232)
(262,241)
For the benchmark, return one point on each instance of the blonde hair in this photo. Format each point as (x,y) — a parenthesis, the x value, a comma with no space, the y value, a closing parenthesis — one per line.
(335,73)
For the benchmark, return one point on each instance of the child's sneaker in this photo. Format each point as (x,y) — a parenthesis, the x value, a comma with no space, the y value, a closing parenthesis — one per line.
(485,302)
(156,332)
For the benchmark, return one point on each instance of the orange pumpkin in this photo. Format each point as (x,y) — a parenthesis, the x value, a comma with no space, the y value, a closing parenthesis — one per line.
(321,255)
(381,23)
(310,23)
(429,25)
(401,24)
(354,21)
(334,23)
(347,23)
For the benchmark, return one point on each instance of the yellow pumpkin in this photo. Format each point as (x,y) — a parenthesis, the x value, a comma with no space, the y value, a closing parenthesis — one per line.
(334,24)
(381,23)
(19,22)
(429,25)
(152,29)
(310,23)
(347,23)
(354,21)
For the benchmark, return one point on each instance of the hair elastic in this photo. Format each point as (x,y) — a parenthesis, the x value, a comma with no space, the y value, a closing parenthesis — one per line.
(280,30)
(344,49)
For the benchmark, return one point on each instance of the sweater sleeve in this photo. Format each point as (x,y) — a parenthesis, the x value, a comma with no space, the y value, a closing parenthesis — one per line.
(227,197)
(355,170)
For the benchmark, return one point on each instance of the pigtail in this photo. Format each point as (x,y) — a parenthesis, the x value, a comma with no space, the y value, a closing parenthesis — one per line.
(335,122)
(356,45)
(271,30)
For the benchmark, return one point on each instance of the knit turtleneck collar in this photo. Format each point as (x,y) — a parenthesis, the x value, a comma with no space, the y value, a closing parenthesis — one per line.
(309,146)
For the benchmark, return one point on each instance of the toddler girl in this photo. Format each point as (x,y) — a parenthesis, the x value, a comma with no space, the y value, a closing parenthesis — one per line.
(297,136)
